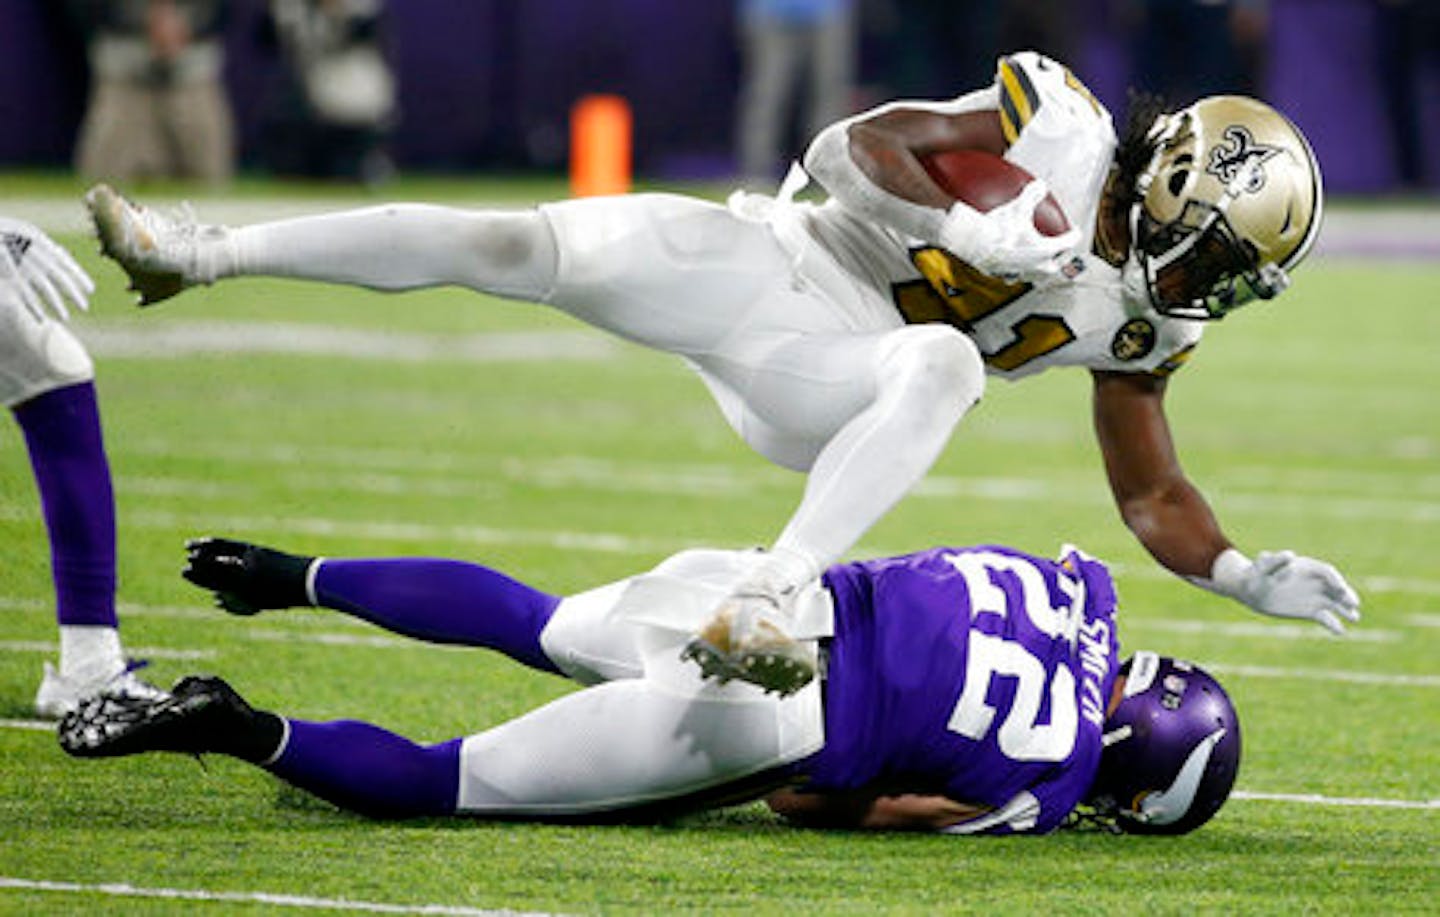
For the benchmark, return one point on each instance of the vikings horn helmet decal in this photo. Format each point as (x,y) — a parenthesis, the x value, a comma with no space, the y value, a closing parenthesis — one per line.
(1229,203)
(1172,748)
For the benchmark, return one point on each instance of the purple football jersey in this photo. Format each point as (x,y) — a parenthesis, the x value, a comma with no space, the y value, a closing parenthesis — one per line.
(977,673)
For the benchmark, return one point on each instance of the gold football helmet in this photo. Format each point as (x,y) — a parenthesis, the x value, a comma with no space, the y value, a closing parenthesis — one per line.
(1229,203)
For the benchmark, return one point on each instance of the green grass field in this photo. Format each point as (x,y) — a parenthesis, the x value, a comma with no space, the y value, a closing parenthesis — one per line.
(444,423)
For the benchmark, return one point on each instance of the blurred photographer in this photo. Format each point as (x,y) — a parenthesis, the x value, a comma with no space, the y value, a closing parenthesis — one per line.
(336,106)
(158,107)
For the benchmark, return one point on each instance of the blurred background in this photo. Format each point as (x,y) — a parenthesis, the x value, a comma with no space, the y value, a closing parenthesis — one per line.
(360,89)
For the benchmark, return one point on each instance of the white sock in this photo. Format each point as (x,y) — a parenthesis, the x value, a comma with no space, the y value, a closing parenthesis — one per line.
(90,652)
(402,247)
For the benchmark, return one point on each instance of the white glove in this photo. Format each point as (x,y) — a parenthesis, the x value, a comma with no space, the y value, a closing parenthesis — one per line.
(1285,585)
(1004,242)
(40,272)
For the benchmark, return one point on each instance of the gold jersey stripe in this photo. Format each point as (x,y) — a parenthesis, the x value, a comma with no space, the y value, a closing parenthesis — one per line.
(1174,362)
(1018,99)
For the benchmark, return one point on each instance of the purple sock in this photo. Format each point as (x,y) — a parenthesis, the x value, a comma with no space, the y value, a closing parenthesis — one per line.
(368,770)
(442,601)
(67,453)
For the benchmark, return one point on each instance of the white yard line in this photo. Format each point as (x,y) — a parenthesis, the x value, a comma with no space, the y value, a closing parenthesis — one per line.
(1390,679)
(383,641)
(1253,630)
(714,480)
(1315,799)
(717,478)
(1245,630)
(187,339)
(29,725)
(272,899)
(140,652)
(600,542)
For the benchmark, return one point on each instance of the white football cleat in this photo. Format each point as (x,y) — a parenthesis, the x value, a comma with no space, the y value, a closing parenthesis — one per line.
(746,641)
(162,253)
(59,695)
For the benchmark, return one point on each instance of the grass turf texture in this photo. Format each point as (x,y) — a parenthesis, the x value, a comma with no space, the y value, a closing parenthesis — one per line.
(1311,424)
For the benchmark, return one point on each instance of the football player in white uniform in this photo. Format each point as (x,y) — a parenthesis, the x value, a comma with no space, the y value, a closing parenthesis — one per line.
(47,381)
(848,338)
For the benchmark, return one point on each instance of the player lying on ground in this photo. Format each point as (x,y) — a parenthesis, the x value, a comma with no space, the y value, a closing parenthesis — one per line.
(47,380)
(971,690)
(848,339)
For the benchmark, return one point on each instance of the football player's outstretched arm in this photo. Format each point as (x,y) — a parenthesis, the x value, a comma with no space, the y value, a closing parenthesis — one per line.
(904,812)
(1176,525)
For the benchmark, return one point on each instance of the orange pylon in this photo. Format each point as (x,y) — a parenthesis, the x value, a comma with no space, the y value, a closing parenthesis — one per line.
(600,145)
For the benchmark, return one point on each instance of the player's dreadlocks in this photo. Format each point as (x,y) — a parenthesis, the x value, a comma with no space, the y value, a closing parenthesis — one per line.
(1136,147)
(1132,155)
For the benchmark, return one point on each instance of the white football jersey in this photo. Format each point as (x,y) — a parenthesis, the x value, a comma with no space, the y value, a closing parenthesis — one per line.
(1058,132)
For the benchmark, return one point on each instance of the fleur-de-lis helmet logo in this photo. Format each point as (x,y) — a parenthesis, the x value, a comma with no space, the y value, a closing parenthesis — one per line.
(1238,155)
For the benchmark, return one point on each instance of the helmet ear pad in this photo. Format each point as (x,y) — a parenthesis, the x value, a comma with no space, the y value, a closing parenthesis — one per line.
(1173,748)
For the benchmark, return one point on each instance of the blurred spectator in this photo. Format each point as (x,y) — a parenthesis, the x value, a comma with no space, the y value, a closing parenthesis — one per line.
(157,108)
(783,41)
(1047,26)
(924,49)
(1185,49)
(1409,56)
(333,113)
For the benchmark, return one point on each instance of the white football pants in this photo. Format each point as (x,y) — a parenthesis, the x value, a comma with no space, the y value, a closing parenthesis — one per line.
(814,370)
(648,729)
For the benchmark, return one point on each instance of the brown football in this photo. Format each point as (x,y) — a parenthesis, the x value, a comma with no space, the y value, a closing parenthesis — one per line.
(985,181)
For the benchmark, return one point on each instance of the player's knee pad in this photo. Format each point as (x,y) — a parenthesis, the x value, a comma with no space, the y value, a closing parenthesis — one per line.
(37,357)
(584,641)
(936,363)
(516,252)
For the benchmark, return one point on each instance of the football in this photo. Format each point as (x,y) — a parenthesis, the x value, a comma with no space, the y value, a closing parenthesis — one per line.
(985,181)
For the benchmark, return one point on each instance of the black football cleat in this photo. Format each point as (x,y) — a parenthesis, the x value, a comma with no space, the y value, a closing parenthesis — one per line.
(201,714)
(247,578)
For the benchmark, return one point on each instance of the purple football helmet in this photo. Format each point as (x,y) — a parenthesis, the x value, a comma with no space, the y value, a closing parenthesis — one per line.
(1172,748)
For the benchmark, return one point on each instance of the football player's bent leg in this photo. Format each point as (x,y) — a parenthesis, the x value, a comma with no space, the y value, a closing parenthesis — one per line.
(619,746)
(927,378)
(441,601)
(448,601)
(436,600)
(866,415)
(675,273)
(629,744)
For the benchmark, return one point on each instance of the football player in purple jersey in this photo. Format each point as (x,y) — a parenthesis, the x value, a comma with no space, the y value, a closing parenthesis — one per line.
(47,380)
(848,339)
(965,690)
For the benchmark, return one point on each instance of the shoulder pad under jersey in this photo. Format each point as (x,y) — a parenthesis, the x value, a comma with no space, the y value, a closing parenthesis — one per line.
(1035,90)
